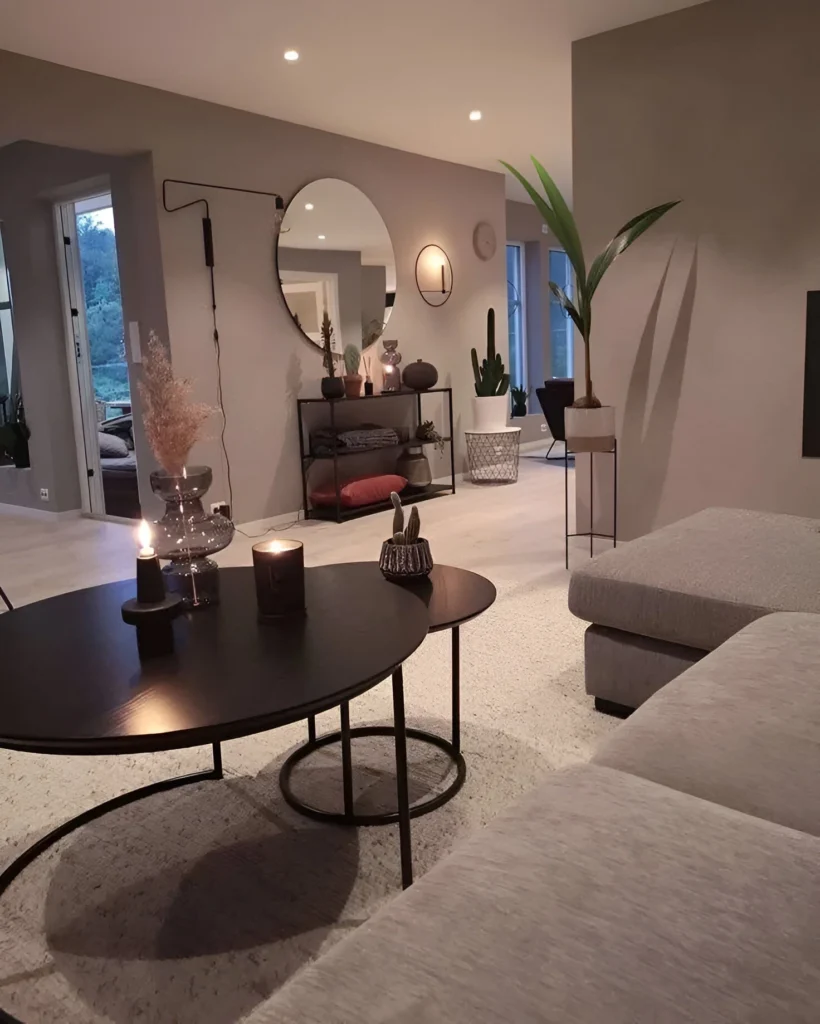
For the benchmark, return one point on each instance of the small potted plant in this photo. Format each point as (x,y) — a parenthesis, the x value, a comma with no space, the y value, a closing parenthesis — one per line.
(405,556)
(590,426)
(491,385)
(332,386)
(352,378)
(519,400)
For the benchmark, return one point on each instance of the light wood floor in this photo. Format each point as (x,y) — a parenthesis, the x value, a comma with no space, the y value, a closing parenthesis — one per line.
(513,532)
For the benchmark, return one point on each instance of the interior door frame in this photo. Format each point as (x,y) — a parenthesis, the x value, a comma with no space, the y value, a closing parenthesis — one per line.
(78,355)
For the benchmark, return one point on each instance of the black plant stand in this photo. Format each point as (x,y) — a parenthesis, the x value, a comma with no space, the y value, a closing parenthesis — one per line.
(337,512)
(593,536)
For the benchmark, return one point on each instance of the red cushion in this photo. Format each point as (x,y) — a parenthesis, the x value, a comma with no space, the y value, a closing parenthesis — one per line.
(365,490)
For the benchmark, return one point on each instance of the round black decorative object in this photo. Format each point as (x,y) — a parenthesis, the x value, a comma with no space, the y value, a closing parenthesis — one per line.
(333,387)
(452,597)
(86,691)
(420,376)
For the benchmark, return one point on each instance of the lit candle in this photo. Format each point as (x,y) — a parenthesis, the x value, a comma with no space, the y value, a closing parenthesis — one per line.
(150,585)
(144,534)
(279,571)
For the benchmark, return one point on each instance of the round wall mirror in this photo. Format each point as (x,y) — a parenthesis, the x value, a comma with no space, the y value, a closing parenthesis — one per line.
(334,254)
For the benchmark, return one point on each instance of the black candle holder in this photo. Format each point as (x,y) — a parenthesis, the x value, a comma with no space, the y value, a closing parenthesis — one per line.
(279,571)
(152,611)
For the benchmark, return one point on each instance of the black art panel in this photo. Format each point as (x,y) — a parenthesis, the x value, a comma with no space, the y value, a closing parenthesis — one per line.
(811,384)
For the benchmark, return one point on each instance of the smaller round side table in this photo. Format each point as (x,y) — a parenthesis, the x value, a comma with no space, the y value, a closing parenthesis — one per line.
(492,456)
(452,596)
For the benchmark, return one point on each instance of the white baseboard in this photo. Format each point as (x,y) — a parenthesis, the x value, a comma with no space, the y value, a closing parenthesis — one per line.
(24,512)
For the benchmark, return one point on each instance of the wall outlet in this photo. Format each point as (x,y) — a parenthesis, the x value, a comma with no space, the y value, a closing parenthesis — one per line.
(544,229)
(43,494)
(543,428)
(221,508)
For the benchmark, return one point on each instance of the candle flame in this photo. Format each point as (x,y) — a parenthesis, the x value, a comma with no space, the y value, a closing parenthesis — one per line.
(276,546)
(144,534)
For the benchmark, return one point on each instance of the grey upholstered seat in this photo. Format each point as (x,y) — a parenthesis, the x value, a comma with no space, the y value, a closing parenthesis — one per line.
(601,898)
(741,728)
(699,581)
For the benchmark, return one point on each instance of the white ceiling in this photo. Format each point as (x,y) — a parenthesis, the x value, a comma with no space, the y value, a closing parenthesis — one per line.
(404,74)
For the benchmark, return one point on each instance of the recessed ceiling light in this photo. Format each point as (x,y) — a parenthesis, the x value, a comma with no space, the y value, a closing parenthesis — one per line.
(308,206)
(322,238)
(291,55)
(475,115)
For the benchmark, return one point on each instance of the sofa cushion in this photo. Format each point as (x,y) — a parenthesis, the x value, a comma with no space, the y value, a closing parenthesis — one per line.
(741,728)
(600,898)
(699,581)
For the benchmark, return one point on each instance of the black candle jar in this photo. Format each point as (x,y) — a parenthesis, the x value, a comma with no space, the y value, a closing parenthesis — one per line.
(279,571)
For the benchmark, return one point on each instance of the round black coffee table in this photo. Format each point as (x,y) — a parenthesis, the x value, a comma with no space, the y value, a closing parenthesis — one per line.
(73,683)
(452,597)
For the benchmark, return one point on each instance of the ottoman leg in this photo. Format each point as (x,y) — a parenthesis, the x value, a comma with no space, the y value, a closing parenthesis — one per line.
(609,707)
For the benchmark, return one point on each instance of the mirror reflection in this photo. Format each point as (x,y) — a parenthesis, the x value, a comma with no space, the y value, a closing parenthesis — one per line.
(14,433)
(334,253)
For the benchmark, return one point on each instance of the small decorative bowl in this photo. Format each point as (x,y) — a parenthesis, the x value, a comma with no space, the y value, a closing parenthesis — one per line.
(405,561)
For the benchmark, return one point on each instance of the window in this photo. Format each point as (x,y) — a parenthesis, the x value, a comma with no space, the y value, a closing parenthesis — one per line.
(561,327)
(516,315)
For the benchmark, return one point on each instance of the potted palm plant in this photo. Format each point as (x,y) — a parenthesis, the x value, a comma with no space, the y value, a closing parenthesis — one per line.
(590,426)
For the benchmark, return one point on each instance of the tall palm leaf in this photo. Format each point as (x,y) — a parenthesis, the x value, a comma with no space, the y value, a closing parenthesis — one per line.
(559,219)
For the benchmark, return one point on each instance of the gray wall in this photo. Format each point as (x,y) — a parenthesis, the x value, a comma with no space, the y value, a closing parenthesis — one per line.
(32,177)
(266,362)
(700,329)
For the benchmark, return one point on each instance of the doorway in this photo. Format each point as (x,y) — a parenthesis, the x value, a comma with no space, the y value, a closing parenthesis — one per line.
(95,331)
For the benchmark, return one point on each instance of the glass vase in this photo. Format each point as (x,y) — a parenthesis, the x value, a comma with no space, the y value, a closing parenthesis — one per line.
(187,534)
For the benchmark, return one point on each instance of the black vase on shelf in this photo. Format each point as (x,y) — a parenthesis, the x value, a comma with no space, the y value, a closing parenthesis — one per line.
(333,387)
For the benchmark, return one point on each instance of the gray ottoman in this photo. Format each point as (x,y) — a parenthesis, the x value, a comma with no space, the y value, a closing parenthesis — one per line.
(660,603)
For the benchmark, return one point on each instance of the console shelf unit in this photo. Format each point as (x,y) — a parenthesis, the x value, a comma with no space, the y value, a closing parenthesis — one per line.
(338,513)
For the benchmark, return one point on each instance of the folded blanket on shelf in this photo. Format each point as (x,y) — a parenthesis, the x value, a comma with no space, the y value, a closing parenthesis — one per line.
(326,441)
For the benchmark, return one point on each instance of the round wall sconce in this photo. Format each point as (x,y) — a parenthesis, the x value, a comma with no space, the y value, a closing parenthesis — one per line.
(434,275)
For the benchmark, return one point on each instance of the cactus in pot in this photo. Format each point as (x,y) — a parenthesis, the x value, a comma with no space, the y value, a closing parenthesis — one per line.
(352,378)
(492,383)
(406,556)
(332,387)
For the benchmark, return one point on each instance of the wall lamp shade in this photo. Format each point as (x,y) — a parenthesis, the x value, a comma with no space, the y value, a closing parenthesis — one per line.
(434,275)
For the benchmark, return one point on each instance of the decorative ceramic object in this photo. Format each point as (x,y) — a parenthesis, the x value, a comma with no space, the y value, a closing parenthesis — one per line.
(420,376)
(390,359)
(405,556)
(352,377)
(412,464)
(491,385)
(590,430)
(187,534)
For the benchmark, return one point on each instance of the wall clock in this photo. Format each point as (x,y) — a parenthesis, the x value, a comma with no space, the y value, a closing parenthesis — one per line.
(484,241)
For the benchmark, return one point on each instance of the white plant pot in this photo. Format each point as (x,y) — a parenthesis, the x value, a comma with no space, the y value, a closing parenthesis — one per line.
(490,413)
(590,430)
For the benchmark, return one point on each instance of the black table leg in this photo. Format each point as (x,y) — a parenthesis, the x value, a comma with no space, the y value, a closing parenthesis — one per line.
(347,760)
(402,788)
(456,690)
(312,729)
(217,752)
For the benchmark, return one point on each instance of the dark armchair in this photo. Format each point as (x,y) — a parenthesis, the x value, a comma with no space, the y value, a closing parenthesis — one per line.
(555,396)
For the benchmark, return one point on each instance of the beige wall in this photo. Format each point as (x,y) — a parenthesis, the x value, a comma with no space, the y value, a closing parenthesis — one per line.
(266,363)
(700,329)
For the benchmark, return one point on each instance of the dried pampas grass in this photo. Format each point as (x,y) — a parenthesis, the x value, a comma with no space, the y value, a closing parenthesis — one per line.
(173,423)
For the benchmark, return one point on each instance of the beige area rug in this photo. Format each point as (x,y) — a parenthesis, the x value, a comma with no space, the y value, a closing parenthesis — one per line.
(191,907)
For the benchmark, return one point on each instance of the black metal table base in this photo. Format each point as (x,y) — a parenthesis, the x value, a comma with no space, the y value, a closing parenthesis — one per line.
(34,851)
(348,816)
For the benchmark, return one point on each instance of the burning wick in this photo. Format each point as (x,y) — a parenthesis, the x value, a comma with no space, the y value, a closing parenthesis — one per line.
(144,534)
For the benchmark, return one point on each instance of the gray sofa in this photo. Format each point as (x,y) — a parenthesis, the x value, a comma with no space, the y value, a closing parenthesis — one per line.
(674,879)
(660,603)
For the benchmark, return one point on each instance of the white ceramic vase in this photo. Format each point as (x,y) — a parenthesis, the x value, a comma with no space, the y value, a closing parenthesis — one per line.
(490,413)
(590,430)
